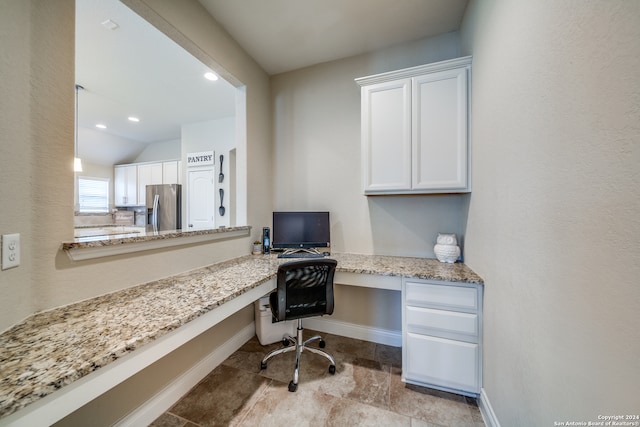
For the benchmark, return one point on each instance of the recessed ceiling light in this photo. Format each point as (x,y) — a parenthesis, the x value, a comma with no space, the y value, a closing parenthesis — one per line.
(110,25)
(134,119)
(101,126)
(211,76)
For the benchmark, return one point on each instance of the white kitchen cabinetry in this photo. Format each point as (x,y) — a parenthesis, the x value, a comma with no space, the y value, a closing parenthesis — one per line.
(148,174)
(125,185)
(131,180)
(415,129)
(171,172)
(442,335)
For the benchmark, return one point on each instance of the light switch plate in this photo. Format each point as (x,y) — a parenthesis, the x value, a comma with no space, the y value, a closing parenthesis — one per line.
(10,251)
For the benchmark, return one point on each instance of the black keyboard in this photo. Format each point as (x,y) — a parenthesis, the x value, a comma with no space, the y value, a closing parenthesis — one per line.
(301,255)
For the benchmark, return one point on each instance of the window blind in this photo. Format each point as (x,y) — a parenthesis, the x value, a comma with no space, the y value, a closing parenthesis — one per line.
(93,194)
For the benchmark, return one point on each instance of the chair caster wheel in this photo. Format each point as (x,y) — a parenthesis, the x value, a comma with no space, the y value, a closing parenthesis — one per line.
(285,342)
(263,365)
(322,344)
(293,386)
(332,369)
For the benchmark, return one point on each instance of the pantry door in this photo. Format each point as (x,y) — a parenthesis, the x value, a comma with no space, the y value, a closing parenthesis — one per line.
(201,202)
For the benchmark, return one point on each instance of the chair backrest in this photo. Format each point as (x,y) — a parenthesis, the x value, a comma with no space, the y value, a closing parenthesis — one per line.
(305,288)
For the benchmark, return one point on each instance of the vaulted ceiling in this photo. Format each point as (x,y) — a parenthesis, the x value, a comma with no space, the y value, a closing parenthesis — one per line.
(131,69)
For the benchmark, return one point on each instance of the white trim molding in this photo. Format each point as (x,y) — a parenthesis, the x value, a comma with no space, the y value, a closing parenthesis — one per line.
(166,398)
(352,330)
(486,410)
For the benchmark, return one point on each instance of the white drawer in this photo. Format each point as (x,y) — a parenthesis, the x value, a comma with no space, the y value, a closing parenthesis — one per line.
(441,296)
(441,362)
(427,320)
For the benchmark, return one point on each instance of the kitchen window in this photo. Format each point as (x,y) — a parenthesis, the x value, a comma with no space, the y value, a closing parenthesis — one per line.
(93,194)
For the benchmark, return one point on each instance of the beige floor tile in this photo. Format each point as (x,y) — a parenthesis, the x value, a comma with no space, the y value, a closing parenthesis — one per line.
(278,407)
(361,380)
(354,347)
(432,406)
(346,412)
(169,420)
(222,397)
(388,355)
(365,391)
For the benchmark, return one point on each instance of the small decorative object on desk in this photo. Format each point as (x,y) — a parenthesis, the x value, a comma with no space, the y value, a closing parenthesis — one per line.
(257,248)
(446,248)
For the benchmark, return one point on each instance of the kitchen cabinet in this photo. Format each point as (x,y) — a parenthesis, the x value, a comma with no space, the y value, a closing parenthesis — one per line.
(148,174)
(442,335)
(414,129)
(130,180)
(171,172)
(125,185)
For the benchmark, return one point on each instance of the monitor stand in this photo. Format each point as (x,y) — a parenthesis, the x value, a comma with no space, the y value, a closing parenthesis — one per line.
(305,250)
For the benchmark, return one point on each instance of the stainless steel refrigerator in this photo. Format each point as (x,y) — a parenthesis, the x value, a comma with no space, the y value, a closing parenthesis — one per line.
(164,207)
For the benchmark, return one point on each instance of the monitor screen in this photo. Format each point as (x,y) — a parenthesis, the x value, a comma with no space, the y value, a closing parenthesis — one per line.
(301,230)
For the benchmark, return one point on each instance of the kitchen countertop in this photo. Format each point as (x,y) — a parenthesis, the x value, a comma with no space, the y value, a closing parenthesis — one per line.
(51,349)
(136,239)
(132,234)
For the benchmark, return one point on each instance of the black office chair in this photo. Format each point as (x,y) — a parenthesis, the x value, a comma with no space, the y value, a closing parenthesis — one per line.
(305,289)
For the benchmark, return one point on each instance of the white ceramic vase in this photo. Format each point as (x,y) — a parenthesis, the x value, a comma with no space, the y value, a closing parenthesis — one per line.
(446,248)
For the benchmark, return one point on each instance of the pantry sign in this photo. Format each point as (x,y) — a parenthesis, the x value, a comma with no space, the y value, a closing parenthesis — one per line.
(201,158)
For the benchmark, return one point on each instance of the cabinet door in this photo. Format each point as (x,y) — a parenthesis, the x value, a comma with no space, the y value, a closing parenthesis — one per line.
(125,185)
(148,174)
(170,172)
(441,362)
(440,131)
(386,136)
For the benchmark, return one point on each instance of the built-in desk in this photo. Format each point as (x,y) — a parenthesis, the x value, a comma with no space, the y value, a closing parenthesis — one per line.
(57,361)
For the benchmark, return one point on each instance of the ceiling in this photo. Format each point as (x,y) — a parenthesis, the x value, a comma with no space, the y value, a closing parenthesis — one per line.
(136,70)
(284,35)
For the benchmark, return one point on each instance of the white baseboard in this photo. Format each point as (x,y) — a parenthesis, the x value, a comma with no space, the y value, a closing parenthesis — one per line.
(162,401)
(352,330)
(486,410)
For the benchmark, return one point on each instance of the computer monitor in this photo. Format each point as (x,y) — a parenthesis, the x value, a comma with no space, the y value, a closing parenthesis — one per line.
(300,230)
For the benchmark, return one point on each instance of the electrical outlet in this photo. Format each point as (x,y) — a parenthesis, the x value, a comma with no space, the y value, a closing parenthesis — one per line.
(10,250)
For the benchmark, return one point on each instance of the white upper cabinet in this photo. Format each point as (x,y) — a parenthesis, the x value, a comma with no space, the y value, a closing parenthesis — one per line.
(148,174)
(170,172)
(130,181)
(386,134)
(125,185)
(415,129)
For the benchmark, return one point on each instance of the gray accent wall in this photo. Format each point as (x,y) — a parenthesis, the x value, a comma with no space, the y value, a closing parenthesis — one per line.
(553,225)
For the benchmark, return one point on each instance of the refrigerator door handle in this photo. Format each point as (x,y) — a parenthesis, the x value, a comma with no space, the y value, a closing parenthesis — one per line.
(154,215)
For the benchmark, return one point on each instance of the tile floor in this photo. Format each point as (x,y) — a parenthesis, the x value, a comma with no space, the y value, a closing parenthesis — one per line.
(365,391)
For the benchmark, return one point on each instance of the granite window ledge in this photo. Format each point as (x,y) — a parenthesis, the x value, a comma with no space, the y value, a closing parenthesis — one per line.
(104,246)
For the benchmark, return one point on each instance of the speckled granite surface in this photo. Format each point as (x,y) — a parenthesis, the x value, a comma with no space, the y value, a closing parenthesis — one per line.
(419,268)
(51,349)
(141,236)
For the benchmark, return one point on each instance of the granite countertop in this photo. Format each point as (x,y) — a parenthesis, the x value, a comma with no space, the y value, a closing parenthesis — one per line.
(54,348)
(138,235)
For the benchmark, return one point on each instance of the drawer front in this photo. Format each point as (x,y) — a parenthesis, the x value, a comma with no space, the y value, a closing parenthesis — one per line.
(428,320)
(441,362)
(442,296)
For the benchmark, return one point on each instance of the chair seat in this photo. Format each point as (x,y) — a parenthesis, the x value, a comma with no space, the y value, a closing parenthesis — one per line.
(305,289)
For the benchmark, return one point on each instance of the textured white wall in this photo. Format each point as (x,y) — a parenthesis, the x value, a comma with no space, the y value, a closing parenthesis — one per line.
(553,222)
(16,162)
